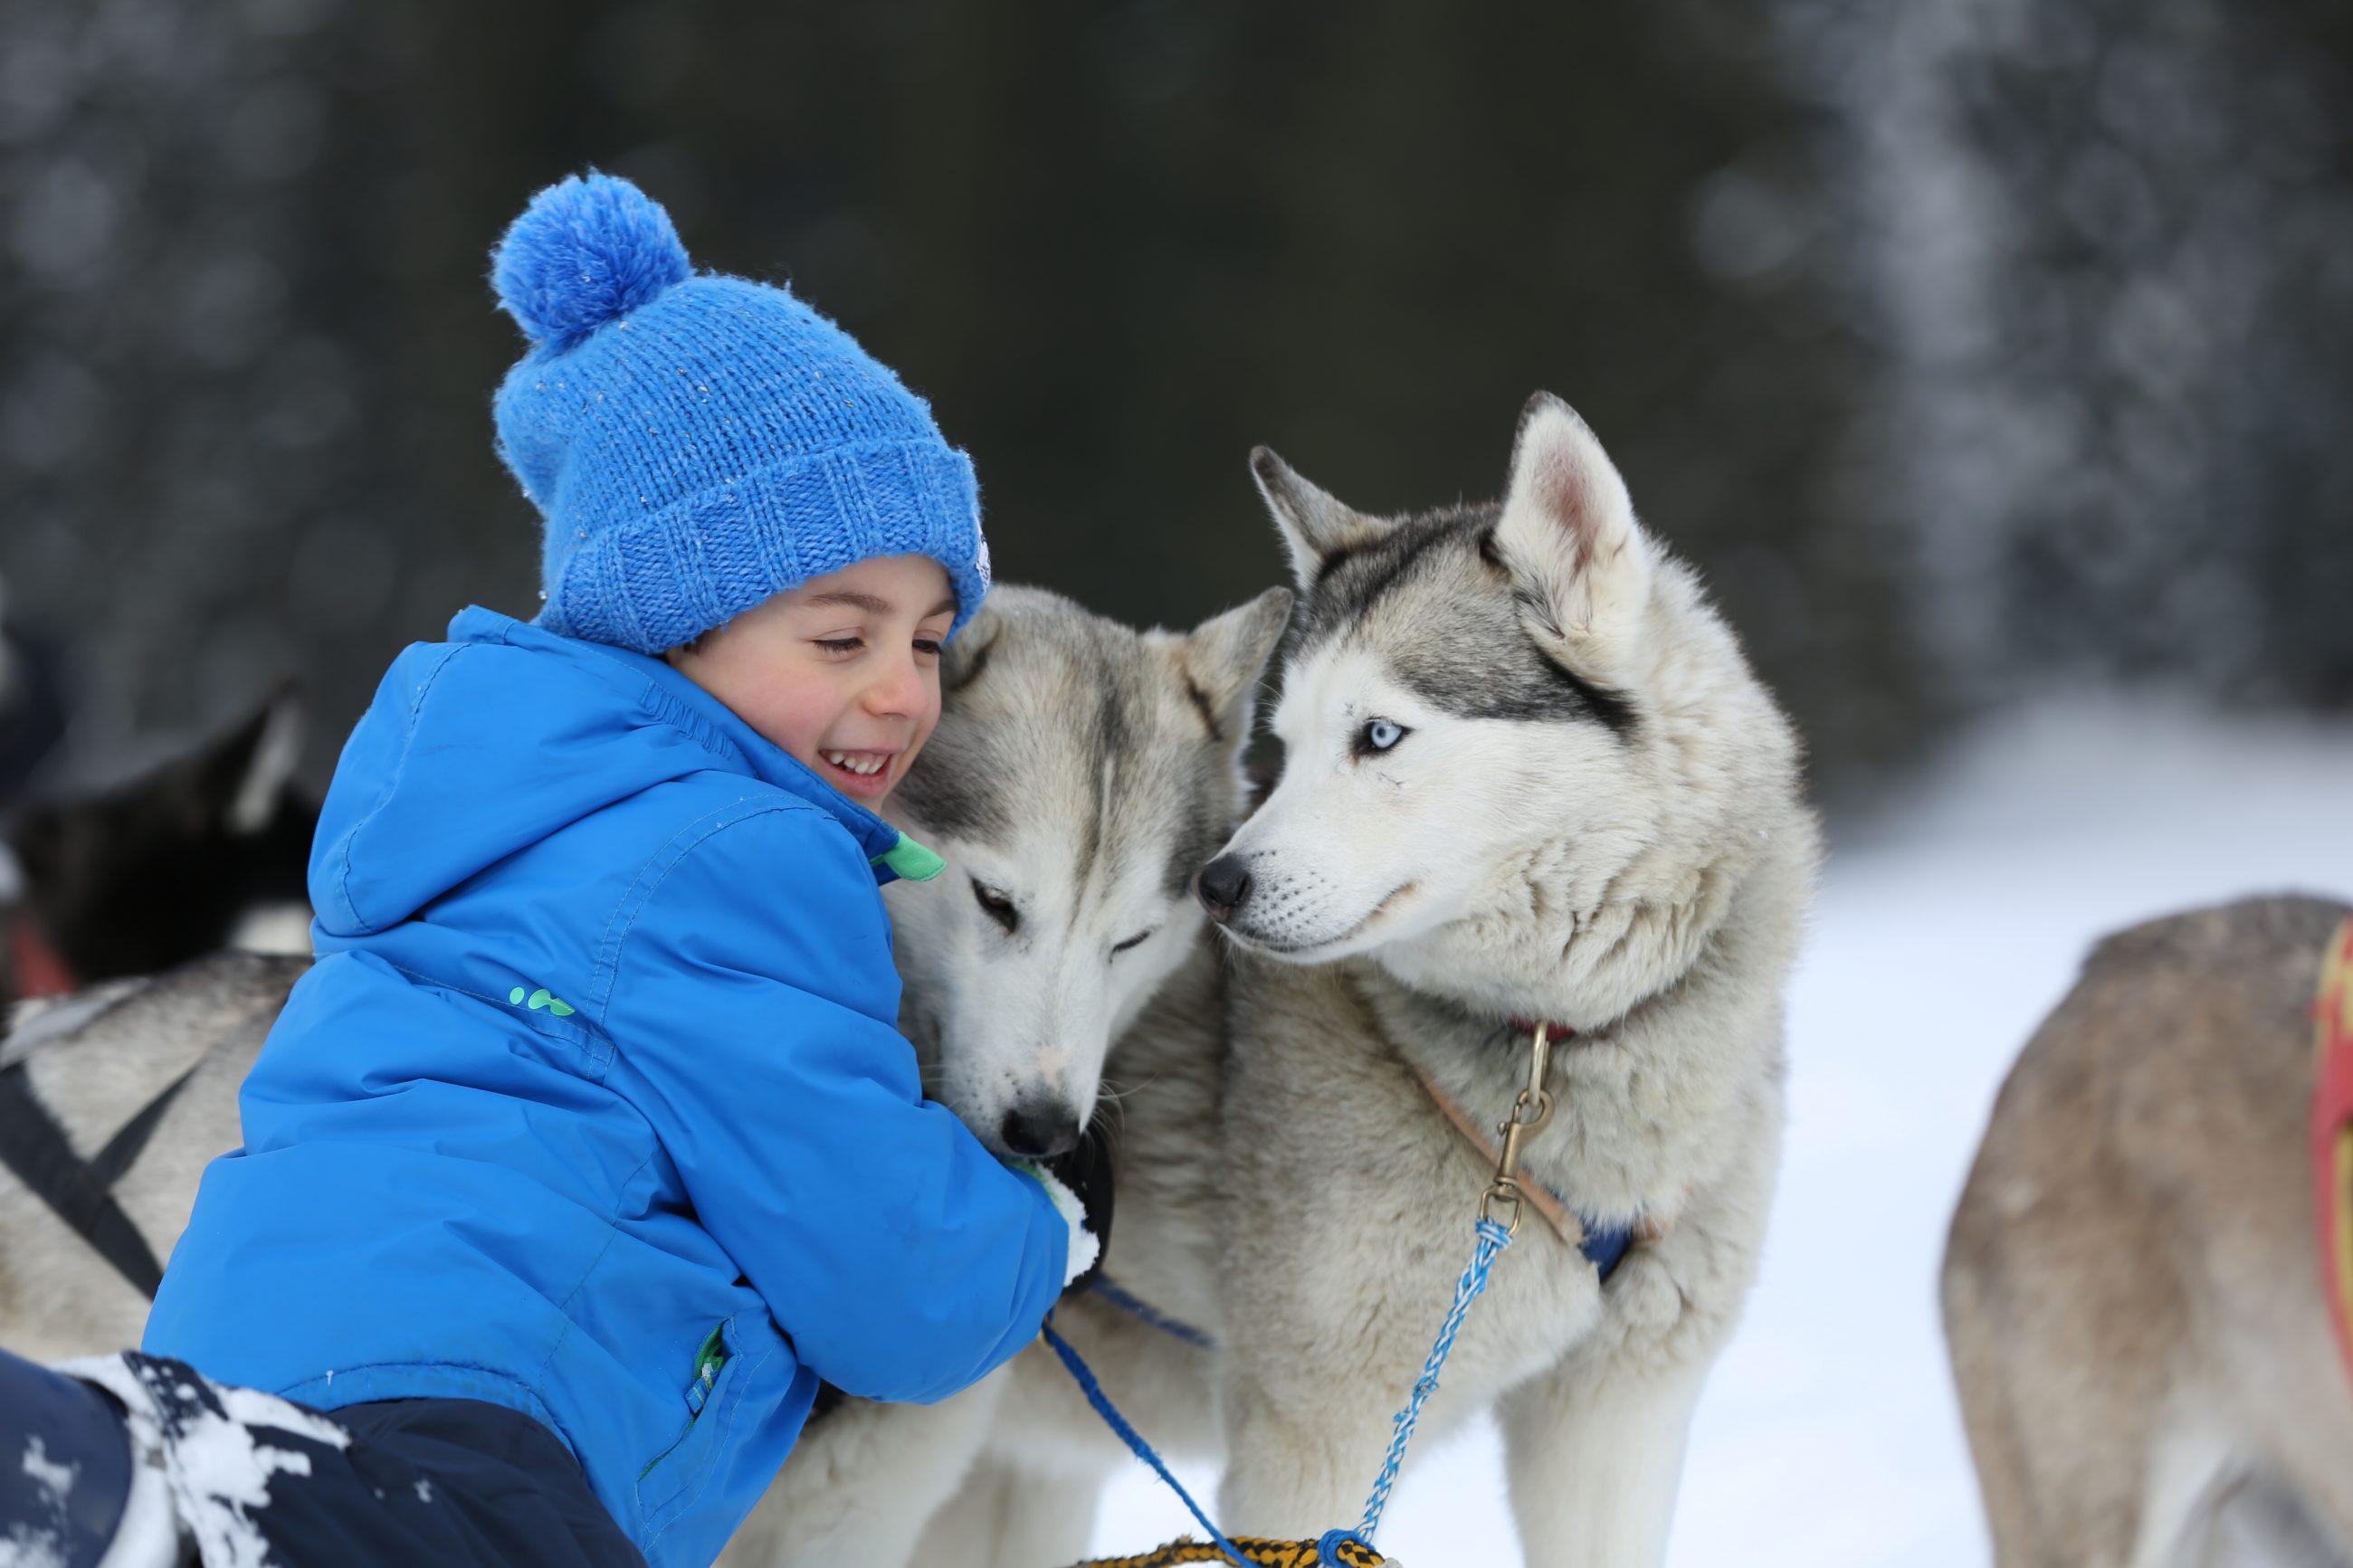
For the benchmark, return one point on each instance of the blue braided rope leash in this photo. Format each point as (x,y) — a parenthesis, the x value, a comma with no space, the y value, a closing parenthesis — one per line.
(1604,1246)
(1328,1548)
(1492,1238)
(1092,1389)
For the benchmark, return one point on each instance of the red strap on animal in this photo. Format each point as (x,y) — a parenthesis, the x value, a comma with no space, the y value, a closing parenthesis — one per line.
(2332,1131)
(38,968)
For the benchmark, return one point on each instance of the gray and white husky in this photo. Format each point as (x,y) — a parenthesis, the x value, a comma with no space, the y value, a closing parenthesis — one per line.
(1088,776)
(1081,773)
(1528,777)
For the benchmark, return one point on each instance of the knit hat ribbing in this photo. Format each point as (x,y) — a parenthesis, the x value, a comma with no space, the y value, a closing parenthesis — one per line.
(698,444)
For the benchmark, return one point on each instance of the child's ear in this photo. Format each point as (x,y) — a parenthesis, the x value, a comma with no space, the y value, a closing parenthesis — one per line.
(962,660)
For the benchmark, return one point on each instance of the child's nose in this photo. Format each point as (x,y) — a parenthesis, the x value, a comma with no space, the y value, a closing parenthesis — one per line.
(899,690)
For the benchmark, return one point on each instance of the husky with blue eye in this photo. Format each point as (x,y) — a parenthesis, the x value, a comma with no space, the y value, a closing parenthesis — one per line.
(1528,777)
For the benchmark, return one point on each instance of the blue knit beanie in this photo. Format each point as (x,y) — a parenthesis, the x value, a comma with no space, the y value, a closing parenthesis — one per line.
(698,443)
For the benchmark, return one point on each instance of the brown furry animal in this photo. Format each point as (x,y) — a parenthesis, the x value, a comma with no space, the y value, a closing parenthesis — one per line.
(2132,1288)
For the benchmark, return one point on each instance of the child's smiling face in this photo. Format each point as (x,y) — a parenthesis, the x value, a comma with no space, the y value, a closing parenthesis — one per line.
(842,672)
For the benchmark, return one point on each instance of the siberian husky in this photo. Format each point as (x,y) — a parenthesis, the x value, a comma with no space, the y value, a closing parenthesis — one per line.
(1081,772)
(2132,1289)
(200,852)
(1528,777)
(1089,774)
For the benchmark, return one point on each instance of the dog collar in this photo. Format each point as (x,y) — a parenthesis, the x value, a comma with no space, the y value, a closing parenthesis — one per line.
(1604,1246)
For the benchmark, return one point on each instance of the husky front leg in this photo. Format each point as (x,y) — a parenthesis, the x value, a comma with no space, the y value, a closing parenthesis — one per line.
(1295,1471)
(1005,1516)
(1594,1451)
(864,1481)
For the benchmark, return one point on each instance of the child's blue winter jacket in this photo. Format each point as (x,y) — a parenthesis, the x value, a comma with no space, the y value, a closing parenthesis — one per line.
(593,1106)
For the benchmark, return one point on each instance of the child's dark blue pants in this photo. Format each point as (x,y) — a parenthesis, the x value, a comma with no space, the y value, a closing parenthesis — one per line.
(446,1482)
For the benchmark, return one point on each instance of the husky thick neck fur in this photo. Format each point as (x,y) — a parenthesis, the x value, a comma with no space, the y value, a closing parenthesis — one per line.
(1527,769)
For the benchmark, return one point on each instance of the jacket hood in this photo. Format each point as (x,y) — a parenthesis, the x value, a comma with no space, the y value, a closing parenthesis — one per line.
(480,747)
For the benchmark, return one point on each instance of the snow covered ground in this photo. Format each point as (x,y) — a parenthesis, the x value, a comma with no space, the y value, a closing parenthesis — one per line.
(1829,1437)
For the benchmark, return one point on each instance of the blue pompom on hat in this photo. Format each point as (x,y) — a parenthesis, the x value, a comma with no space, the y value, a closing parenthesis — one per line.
(697,443)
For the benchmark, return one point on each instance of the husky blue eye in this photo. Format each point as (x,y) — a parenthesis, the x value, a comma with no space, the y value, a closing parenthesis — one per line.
(1380,735)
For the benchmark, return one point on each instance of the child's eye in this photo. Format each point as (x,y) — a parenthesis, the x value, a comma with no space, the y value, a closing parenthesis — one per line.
(928,646)
(838,646)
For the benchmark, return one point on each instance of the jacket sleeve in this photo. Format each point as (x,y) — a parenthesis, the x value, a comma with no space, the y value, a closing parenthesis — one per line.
(748,1001)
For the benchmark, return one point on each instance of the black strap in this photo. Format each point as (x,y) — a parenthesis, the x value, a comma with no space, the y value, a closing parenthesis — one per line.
(38,1153)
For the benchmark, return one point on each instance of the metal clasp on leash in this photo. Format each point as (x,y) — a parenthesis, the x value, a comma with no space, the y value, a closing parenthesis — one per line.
(1530,1110)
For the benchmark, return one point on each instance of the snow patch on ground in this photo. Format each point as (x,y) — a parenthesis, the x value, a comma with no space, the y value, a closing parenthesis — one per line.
(1828,1436)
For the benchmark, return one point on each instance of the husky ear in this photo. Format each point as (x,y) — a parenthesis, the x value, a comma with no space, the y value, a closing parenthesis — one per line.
(1568,532)
(1223,657)
(1313,524)
(238,779)
(962,660)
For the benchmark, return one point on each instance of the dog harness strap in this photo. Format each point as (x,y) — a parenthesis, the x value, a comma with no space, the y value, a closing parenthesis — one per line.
(36,1151)
(122,1150)
(1606,1247)
(40,970)
(1143,1311)
(2331,1124)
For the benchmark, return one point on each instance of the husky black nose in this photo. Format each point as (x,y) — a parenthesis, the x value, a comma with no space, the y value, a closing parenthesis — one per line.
(1039,1130)
(1223,886)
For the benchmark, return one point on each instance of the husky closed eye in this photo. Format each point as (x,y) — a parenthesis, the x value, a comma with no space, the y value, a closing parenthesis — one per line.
(1000,907)
(1378,735)
(1136,940)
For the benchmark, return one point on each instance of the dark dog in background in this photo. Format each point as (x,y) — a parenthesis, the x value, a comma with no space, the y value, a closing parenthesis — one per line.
(203,852)
(32,707)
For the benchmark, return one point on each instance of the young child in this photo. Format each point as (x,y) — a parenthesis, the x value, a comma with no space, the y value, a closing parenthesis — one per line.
(588,1148)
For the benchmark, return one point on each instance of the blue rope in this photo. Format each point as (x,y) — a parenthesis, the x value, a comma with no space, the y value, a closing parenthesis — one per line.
(1145,1311)
(1327,1547)
(1132,1438)
(1492,1239)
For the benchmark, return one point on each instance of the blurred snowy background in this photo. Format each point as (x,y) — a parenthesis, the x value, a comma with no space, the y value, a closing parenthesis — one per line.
(1968,346)
(1994,359)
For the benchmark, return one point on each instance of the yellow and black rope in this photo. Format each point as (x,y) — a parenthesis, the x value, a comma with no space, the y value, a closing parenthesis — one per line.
(1262,1553)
